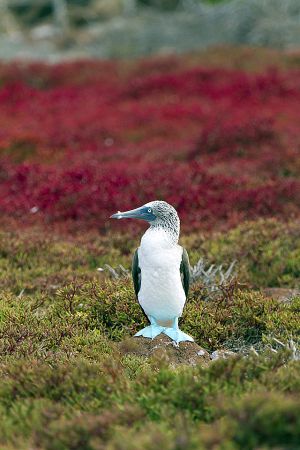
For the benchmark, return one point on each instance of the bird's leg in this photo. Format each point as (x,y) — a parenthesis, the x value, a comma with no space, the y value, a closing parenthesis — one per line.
(152,330)
(176,334)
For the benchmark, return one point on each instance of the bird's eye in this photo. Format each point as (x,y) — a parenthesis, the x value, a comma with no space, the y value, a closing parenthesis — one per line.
(149,210)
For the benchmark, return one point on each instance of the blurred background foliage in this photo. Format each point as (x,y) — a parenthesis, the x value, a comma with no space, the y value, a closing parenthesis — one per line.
(129,28)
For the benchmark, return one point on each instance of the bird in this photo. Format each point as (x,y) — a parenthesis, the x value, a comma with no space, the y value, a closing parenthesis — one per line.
(160,270)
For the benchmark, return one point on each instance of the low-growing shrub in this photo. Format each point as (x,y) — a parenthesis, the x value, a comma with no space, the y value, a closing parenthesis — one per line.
(86,405)
(227,139)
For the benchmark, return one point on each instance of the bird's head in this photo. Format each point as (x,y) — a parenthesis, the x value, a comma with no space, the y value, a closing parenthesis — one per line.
(156,211)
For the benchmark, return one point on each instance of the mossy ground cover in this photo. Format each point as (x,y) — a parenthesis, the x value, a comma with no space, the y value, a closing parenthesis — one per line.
(67,384)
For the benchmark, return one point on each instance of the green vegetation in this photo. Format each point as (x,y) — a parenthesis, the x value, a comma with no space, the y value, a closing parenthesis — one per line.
(119,28)
(66,383)
(267,252)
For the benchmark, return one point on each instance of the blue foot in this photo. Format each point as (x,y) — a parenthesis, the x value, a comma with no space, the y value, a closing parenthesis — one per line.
(178,335)
(150,332)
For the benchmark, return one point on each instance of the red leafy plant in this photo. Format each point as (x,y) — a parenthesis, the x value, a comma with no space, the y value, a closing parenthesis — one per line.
(80,140)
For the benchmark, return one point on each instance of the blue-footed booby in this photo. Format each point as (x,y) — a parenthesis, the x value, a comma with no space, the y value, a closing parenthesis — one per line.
(160,270)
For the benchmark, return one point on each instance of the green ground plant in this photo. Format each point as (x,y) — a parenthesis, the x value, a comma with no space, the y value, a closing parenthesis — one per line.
(267,254)
(67,383)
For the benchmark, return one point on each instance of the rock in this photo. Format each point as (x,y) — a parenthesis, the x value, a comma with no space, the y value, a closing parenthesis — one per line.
(102,9)
(162,347)
(222,354)
(282,294)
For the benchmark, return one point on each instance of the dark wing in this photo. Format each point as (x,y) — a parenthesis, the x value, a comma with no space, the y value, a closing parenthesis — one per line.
(136,273)
(185,272)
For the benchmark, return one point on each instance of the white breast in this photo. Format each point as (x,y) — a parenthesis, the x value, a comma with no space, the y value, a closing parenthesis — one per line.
(161,294)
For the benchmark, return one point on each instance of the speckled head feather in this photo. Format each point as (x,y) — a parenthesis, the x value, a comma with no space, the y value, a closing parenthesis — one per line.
(166,218)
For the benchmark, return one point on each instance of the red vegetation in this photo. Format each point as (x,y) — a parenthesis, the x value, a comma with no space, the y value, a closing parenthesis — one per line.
(79,141)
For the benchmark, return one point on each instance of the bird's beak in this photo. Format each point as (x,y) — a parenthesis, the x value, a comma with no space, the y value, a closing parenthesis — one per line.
(138,213)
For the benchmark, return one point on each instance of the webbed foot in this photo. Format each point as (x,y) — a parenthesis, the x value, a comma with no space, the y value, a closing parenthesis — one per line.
(177,335)
(150,332)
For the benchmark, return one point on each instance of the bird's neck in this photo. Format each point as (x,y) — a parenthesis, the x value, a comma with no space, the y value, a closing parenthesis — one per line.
(163,233)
